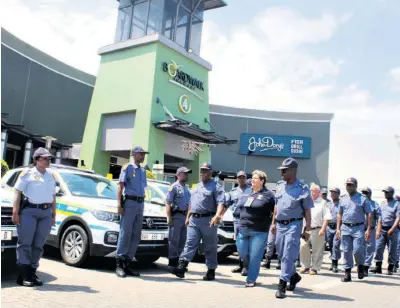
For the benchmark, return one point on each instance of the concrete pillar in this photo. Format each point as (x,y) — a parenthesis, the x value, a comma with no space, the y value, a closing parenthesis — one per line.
(58,157)
(27,153)
(4,137)
(49,140)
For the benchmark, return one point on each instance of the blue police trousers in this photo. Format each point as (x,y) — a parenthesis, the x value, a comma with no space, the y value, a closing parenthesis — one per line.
(391,242)
(176,236)
(270,246)
(288,247)
(34,227)
(370,247)
(130,230)
(398,245)
(353,240)
(199,229)
(334,244)
(251,245)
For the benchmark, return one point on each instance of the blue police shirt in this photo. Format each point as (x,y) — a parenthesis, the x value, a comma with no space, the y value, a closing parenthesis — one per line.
(334,207)
(233,198)
(206,197)
(390,211)
(37,187)
(376,212)
(354,208)
(134,178)
(292,200)
(179,195)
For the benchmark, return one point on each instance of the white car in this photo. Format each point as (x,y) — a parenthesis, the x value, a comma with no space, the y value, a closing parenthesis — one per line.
(87,219)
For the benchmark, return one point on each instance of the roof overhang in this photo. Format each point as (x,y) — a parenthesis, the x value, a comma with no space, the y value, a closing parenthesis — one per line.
(192,131)
(212,4)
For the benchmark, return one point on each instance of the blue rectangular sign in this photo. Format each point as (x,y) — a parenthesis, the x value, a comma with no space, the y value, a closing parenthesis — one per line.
(272,145)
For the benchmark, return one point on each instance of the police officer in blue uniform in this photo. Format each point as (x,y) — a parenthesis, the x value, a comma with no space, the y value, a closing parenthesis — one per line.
(396,267)
(351,229)
(177,205)
(231,201)
(34,213)
(207,204)
(293,204)
(370,245)
(324,194)
(132,183)
(333,241)
(387,232)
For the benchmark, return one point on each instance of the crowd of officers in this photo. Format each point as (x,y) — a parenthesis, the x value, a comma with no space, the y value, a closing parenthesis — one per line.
(295,220)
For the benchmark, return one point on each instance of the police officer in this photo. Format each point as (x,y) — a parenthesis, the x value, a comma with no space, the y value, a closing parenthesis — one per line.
(387,233)
(353,207)
(396,267)
(177,205)
(207,204)
(132,182)
(231,201)
(293,203)
(333,241)
(324,194)
(34,213)
(370,245)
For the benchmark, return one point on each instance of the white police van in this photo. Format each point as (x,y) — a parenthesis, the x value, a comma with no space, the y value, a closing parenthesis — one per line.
(87,219)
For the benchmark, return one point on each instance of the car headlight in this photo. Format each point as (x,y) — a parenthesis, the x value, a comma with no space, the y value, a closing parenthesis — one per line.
(106,216)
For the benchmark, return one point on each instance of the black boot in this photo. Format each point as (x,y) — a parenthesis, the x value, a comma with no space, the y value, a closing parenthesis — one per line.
(239,268)
(366,269)
(396,267)
(360,270)
(278,267)
(120,268)
(245,272)
(335,266)
(298,264)
(281,292)
(180,270)
(390,269)
(267,263)
(210,275)
(294,280)
(347,275)
(378,268)
(129,269)
(36,281)
(172,263)
(24,276)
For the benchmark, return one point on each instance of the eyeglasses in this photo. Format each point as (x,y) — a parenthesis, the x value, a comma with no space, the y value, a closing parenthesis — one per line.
(284,171)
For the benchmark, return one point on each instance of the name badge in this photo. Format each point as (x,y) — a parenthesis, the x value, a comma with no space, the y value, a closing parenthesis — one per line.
(249,201)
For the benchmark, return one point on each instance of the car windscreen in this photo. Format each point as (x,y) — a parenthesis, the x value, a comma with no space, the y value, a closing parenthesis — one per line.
(164,189)
(85,185)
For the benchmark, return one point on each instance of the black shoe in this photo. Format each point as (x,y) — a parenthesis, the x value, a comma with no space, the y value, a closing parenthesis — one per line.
(378,268)
(366,269)
(180,270)
(347,275)
(390,269)
(294,280)
(239,268)
(281,292)
(129,269)
(210,275)
(278,267)
(267,264)
(396,266)
(298,264)
(172,263)
(335,266)
(360,270)
(25,276)
(120,269)
(245,272)
(36,281)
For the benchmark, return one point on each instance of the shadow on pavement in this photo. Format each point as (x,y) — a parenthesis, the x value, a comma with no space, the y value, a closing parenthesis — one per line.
(65,288)
(9,280)
(380,283)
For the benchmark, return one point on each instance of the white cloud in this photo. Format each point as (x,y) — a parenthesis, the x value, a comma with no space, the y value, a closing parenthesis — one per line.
(394,76)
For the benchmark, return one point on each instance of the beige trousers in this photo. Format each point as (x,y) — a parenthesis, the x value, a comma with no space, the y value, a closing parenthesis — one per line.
(317,244)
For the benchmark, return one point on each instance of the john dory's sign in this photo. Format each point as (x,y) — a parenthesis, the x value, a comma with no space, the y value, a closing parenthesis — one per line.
(182,77)
(271,145)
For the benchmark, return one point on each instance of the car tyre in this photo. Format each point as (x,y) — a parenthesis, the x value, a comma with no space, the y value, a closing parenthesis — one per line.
(74,246)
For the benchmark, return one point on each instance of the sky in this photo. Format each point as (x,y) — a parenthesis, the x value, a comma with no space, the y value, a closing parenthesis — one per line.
(339,57)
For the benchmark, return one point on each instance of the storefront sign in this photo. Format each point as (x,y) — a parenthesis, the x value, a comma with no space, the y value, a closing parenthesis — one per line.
(184,105)
(272,145)
(185,79)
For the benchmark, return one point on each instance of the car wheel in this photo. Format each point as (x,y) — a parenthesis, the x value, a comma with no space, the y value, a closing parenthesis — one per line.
(147,259)
(74,246)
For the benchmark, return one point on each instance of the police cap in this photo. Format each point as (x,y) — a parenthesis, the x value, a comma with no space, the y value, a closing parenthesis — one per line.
(138,149)
(389,189)
(183,169)
(42,152)
(289,163)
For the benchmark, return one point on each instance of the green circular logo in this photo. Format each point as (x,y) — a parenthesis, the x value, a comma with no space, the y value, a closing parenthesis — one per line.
(184,105)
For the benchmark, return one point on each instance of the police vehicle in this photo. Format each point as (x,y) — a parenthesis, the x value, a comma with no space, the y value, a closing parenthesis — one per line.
(9,235)
(87,219)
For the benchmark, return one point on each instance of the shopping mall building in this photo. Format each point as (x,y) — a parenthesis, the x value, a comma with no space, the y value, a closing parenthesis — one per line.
(151,90)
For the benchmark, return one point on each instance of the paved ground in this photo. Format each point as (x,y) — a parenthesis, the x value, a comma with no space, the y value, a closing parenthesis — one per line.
(97,286)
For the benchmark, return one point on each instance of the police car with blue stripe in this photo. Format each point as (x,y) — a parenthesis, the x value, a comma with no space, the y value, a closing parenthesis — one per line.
(87,219)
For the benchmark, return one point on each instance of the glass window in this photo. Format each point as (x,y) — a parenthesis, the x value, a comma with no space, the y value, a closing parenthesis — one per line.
(13,179)
(124,3)
(188,4)
(182,30)
(155,16)
(195,39)
(139,19)
(199,8)
(84,185)
(169,19)
(123,24)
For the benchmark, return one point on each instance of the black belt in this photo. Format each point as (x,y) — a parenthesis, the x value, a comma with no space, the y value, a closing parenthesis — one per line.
(180,212)
(135,198)
(238,216)
(195,215)
(332,225)
(372,228)
(353,225)
(315,228)
(42,206)
(286,222)
(386,228)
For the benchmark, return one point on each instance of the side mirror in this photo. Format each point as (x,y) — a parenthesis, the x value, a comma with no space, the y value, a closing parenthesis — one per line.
(158,201)
(58,190)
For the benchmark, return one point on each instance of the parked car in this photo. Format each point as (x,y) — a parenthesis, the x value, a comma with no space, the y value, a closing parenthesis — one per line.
(87,219)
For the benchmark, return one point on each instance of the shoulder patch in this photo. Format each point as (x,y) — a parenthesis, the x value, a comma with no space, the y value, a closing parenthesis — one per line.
(124,167)
(24,172)
(171,188)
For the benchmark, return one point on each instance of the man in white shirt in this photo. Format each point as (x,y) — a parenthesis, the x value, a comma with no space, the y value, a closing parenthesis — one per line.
(320,216)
